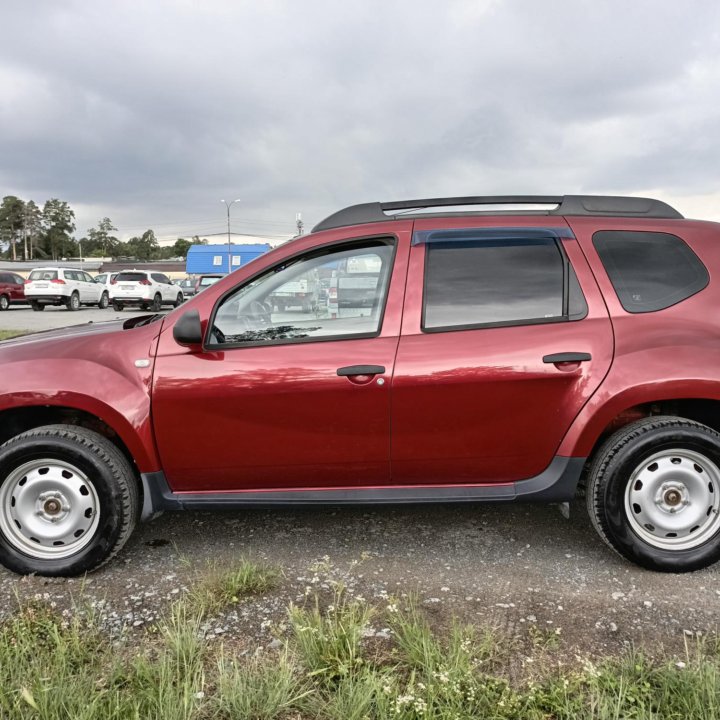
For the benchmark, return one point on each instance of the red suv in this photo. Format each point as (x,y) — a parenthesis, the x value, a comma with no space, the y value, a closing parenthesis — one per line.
(12,290)
(502,356)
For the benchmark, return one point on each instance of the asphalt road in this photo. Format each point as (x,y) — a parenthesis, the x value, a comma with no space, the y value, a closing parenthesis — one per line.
(23,318)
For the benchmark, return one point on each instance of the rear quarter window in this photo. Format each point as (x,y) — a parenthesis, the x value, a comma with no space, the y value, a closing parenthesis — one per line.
(650,271)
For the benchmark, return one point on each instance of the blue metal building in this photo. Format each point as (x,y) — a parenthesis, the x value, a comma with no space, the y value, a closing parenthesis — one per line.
(214,258)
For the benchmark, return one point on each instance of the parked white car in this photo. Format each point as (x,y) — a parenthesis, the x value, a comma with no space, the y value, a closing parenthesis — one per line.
(63,286)
(149,290)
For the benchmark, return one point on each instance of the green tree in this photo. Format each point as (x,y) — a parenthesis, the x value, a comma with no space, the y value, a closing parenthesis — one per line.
(11,223)
(59,223)
(144,247)
(101,242)
(181,247)
(33,228)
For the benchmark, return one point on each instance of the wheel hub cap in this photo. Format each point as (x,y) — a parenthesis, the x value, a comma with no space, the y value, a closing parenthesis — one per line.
(48,509)
(673,499)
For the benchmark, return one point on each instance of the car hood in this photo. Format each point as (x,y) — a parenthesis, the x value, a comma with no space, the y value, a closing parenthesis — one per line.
(77,331)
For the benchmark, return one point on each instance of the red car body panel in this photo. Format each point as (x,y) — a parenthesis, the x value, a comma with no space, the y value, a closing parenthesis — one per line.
(666,355)
(89,368)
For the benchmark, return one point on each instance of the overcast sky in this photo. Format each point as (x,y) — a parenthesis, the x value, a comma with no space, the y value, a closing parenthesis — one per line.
(152,112)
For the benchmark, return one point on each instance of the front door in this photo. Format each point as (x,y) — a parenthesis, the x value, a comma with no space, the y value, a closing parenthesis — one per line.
(505,337)
(286,397)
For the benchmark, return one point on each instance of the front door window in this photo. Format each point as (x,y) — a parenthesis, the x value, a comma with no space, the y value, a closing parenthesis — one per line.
(329,295)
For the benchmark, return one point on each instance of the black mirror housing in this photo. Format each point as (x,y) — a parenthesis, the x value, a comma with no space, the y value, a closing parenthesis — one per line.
(188,330)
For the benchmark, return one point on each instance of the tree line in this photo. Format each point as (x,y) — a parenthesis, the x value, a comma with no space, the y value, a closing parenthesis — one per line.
(29,232)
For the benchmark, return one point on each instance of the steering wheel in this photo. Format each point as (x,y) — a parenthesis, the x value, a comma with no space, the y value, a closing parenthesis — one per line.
(259,313)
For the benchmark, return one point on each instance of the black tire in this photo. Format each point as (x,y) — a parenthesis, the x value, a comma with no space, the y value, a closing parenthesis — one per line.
(117,306)
(104,301)
(178,300)
(113,487)
(156,303)
(616,508)
(144,306)
(36,306)
(73,302)
(4,302)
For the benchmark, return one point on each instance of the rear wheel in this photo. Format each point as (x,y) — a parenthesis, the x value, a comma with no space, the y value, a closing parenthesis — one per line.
(36,306)
(4,302)
(68,501)
(117,306)
(654,494)
(104,301)
(157,303)
(73,302)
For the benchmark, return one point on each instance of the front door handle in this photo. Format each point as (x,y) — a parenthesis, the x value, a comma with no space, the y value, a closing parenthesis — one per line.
(360,370)
(567,357)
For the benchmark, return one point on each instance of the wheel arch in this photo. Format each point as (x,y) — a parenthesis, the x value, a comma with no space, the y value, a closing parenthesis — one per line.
(16,420)
(588,433)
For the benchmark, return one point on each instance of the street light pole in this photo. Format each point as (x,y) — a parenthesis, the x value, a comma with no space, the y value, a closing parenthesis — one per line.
(228,205)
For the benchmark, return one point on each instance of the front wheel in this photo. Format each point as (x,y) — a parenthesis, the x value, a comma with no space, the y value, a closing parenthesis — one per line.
(68,501)
(178,300)
(654,494)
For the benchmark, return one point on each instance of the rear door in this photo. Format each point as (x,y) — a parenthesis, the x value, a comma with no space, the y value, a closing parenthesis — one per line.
(505,337)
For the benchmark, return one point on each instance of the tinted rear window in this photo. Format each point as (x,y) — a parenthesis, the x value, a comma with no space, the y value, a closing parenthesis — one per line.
(492,282)
(130,277)
(43,275)
(650,271)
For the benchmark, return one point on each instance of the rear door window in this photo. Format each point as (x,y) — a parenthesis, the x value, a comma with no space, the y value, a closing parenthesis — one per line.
(473,282)
(649,271)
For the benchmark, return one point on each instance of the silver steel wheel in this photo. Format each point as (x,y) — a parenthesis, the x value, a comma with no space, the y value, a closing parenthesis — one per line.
(672,501)
(48,509)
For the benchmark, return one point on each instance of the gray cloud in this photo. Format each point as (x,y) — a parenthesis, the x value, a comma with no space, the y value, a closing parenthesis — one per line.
(152,112)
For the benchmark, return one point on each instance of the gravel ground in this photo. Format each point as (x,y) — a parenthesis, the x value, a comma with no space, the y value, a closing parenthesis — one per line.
(522,569)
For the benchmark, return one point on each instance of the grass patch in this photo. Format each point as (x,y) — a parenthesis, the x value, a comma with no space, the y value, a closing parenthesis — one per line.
(55,666)
(221,587)
(7,334)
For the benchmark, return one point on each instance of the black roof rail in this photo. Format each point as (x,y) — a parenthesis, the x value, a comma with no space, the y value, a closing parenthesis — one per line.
(603,205)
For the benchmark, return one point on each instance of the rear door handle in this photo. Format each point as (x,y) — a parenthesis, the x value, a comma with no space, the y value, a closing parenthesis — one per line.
(361,370)
(567,357)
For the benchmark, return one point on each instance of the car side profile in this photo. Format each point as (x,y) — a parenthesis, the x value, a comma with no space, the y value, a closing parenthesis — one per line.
(144,289)
(484,355)
(12,290)
(64,286)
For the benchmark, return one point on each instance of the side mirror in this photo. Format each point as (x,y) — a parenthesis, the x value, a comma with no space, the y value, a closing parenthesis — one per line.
(188,330)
